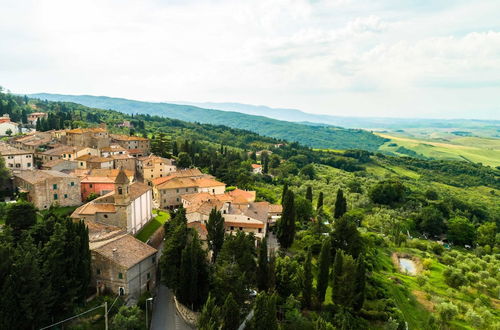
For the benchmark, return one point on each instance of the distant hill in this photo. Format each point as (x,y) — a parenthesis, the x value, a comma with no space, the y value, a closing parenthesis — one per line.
(313,135)
(348,122)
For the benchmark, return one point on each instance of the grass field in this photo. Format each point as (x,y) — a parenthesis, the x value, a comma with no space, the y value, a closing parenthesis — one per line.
(473,149)
(153,225)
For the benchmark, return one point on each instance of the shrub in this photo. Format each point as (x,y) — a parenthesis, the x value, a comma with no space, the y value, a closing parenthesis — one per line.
(421,280)
(426,263)
(447,311)
(454,278)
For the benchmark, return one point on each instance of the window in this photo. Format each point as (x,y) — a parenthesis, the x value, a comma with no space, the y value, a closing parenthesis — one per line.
(54,186)
(120,190)
(148,276)
(18,165)
(187,189)
(260,230)
(27,156)
(29,164)
(153,259)
(72,184)
(177,198)
(232,227)
(241,228)
(98,271)
(106,216)
(121,291)
(65,195)
(81,163)
(120,275)
(55,196)
(177,190)
(11,165)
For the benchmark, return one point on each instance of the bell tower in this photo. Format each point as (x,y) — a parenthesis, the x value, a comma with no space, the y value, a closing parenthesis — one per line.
(122,194)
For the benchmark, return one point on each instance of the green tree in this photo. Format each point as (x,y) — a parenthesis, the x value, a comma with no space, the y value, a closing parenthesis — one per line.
(309,194)
(359,284)
(303,210)
(288,277)
(263,267)
(320,201)
(176,234)
(210,315)
(345,236)
(486,234)
(308,171)
(430,220)
(128,318)
(215,229)
(340,205)
(388,192)
(240,248)
(461,231)
(227,278)
(8,132)
(308,279)
(20,216)
(343,286)
(283,193)
(286,225)
(265,312)
(230,314)
(323,270)
(184,160)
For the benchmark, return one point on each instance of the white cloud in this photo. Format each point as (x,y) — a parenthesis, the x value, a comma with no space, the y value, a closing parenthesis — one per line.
(340,57)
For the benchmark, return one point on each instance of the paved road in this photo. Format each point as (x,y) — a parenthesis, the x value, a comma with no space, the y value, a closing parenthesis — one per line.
(164,314)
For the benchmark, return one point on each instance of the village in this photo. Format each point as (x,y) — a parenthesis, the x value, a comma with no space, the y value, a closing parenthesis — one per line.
(118,188)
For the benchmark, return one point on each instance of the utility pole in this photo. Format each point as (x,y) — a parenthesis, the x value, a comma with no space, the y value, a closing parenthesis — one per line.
(106,315)
(147,323)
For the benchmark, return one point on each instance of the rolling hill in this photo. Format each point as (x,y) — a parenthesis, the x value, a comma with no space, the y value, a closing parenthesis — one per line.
(317,136)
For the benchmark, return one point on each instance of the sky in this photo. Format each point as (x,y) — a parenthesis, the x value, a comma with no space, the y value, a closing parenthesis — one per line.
(387,58)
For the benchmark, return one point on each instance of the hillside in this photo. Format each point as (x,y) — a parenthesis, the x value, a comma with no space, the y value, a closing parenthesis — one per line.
(310,135)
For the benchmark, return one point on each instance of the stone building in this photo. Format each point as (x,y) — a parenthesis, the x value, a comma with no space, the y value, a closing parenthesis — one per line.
(65,152)
(94,162)
(152,167)
(128,206)
(16,159)
(97,137)
(136,146)
(46,188)
(32,142)
(123,265)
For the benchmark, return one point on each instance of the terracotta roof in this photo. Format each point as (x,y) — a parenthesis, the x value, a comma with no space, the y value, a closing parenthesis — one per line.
(103,172)
(86,130)
(6,150)
(207,182)
(257,210)
(126,251)
(256,166)
(92,208)
(201,197)
(204,208)
(55,162)
(152,159)
(200,228)
(190,172)
(178,183)
(137,189)
(120,157)
(275,208)
(122,137)
(240,194)
(99,232)
(113,148)
(62,150)
(97,179)
(244,224)
(93,159)
(36,176)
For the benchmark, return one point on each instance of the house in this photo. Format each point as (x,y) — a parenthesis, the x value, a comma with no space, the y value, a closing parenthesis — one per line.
(168,194)
(65,152)
(7,127)
(61,165)
(96,137)
(32,142)
(114,149)
(33,117)
(125,123)
(257,168)
(46,188)
(152,167)
(128,206)
(16,159)
(125,161)
(91,162)
(101,182)
(137,146)
(123,265)
(275,211)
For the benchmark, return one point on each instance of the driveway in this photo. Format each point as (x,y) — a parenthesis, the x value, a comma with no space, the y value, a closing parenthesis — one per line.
(164,314)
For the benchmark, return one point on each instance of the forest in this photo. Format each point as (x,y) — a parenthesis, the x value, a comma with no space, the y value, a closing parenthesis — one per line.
(348,219)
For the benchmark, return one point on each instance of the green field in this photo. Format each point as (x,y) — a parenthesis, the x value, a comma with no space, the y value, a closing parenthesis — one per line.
(153,225)
(473,149)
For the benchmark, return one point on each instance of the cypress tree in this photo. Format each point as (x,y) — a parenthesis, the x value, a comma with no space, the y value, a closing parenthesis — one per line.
(359,284)
(215,229)
(283,193)
(307,285)
(271,278)
(324,270)
(340,205)
(265,312)
(263,267)
(265,162)
(320,201)
(286,225)
(175,149)
(309,194)
(230,314)
(337,277)
(210,315)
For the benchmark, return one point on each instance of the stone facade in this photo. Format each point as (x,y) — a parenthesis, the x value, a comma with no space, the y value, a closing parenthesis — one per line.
(152,167)
(46,188)
(136,145)
(16,159)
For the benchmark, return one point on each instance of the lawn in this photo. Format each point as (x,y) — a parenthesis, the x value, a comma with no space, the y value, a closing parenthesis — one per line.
(153,225)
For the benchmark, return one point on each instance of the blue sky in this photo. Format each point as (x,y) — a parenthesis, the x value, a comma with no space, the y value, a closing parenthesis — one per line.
(435,59)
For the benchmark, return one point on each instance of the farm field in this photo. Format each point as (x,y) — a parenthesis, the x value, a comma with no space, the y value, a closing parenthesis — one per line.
(473,149)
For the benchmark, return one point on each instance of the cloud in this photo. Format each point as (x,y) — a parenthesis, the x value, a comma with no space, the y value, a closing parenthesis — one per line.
(384,58)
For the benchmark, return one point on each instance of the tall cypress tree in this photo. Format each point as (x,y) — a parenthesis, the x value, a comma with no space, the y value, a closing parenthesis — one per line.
(324,270)
(337,277)
(265,312)
(215,229)
(309,194)
(175,148)
(230,314)
(320,200)
(359,284)
(308,279)
(262,267)
(340,205)
(210,315)
(283,193)
(286,225)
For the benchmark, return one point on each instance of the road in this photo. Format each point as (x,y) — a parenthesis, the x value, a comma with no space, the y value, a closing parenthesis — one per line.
(164,314)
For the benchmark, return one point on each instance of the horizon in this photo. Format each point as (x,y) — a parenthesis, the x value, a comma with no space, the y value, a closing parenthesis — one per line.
(345,58)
